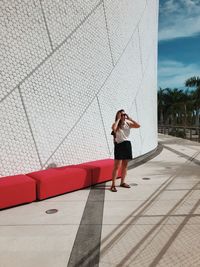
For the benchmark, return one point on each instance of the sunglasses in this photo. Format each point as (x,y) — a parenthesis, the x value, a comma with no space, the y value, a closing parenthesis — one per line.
(124,114)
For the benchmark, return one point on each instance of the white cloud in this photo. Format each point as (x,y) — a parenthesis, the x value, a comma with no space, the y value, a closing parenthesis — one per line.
(173,74)
(179,19)
(169,6)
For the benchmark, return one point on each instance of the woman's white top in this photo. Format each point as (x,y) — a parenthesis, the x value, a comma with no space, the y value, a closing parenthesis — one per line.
(122,134)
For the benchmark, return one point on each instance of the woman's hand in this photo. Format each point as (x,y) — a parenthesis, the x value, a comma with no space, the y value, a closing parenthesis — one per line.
(127,117)
(133,124)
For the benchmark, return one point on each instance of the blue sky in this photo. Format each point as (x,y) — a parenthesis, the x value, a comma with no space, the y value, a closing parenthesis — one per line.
(179,42)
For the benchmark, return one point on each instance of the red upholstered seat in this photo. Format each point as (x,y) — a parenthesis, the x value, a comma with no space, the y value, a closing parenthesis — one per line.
(15,190)
(101,170)
(56,181)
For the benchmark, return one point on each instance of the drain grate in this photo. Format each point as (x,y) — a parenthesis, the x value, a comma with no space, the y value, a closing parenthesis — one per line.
(51,211)
(146,178)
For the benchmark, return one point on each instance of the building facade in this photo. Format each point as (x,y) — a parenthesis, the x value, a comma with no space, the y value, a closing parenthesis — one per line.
(66,67)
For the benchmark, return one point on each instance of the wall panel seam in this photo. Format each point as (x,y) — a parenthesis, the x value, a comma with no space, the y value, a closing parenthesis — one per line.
(147,65)
(96,93)
(55,49)
(130,39)
(104,128)
(140,50)
(104,10)
(29,125)
(46,25)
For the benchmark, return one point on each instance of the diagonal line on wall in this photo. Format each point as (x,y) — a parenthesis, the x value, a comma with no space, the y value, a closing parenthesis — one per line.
(46,25)
(104,10)
(144,72)
(78,120)
(104,128)
(143,75)
(29,125)
(97,91)
(130,39)
(136,107)
(139,88)
(57,48)
(140,50)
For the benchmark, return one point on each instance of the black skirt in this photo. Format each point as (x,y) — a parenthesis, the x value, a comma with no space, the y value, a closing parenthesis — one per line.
(123,150)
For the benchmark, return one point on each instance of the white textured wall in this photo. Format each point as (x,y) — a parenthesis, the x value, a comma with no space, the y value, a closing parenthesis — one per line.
(66,67)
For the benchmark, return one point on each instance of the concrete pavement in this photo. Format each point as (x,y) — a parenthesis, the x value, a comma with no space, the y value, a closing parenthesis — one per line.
(154,223)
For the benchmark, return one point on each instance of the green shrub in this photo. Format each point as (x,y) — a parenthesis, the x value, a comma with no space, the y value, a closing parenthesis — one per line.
(177,132)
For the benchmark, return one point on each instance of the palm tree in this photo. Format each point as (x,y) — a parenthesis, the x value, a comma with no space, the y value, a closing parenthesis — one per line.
(161,105)
(194,82)
(186,107)
(173,105)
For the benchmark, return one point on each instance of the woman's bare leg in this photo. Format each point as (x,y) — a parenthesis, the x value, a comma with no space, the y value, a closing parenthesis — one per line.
(117,164)
(124,170)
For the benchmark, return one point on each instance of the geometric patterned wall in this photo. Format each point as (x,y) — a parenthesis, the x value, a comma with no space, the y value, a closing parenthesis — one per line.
(66,67)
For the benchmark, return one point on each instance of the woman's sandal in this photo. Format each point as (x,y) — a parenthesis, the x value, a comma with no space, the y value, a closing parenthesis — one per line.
(125,185)
(113,189)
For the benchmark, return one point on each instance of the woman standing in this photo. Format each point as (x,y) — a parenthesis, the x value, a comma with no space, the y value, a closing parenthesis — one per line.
(122,146)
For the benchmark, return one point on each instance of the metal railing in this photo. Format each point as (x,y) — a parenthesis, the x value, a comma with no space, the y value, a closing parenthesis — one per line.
(190,133)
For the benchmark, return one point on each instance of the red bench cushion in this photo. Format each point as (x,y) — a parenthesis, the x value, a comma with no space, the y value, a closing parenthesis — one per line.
(15,190)
(101,170)
(56,181)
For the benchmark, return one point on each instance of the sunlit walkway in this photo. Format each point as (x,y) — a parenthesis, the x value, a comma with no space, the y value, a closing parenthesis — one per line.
(155,223)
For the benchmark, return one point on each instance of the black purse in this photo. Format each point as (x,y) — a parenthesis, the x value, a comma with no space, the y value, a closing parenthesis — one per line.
(114,136)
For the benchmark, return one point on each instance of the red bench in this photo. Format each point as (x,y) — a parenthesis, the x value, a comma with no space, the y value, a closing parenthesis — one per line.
(15,190)
(56,181)
(101,170)
(20,189)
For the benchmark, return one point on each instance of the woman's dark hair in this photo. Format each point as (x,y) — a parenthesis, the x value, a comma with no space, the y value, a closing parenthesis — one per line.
(119,125)
(120,122)
(119,111)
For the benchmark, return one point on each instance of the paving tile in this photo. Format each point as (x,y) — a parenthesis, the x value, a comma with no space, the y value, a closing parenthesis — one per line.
(133,245)
(183,250)
(117,212)
(154,223)
(35,213)
(79,195)
(36,245)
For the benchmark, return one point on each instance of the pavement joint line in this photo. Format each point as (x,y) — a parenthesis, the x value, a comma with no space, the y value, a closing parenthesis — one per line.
(108,224)
(182,224)
(136,247)
(173,237)
(197,162)
(88,239)
(147,244)
(183,189)
(143,207)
